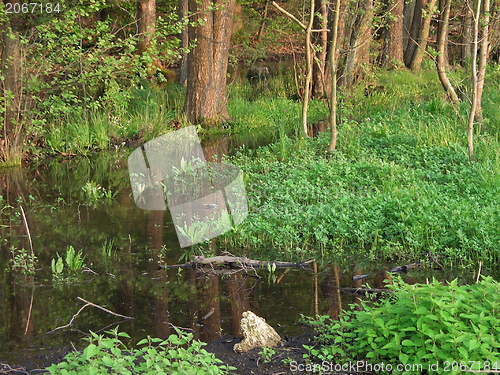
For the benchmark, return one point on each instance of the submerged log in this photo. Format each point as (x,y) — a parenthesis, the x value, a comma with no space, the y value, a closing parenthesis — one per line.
(237,262)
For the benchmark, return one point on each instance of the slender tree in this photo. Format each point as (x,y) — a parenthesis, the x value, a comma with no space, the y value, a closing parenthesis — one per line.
(320,41)
(470,126)
(333,64)
(441,57)
(427,14)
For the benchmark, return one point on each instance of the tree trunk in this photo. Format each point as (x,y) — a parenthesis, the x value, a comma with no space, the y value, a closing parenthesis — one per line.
(366,35)
(10,144)
(470,125)
(408,18)
(263,22)
(200,105)
(414,32)
(441,58)
(483,56)
(360,25)
(223,26)
(424,35)
(333,64)
(442,6)
(395,41)
(309,61)
(320,39)
(207,62)
(466,33)
(146,23)
(182,12)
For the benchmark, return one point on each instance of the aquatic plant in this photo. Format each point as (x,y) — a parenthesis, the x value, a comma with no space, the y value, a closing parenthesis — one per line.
(72,259)
(23,261)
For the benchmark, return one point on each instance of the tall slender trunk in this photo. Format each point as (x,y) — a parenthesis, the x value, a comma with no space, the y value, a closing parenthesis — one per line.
(333,64)
(309,61)
(414,32)
(320,39)
(483,56)
(441,58)
(470,125)
(466,33)
(418,56)
(182,12)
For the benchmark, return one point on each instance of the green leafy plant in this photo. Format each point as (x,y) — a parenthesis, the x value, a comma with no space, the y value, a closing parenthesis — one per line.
(73,262)
(23,261)
(266,354)
(452,324)
(178,354)
(107,249)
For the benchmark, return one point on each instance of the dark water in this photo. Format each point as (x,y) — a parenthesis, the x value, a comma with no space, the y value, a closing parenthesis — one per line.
(127,280)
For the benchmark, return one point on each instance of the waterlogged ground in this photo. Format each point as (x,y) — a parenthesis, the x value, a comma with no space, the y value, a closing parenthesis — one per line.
(86,204)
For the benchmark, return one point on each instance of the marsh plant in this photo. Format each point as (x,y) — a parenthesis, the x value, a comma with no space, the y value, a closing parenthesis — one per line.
(454,324)
(93,193)
(23,261)
(108,249)
(72,263)
(178,354)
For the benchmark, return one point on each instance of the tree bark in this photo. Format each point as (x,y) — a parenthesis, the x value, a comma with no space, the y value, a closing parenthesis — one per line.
(10,144)
(207,62)
(418,56)
(182,12)
(395,28)
(466,33)
(146,23)
(223,26)
(357,39)
(414,31)
(441,58)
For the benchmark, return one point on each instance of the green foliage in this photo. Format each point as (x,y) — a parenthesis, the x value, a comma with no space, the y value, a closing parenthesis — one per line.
(72,260)
(266,354)
(178,354)
(418,324)
(23,261)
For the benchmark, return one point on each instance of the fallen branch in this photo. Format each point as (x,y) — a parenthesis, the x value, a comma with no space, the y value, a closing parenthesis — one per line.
(87,303)
(431,257)
(362,290)
(236,262)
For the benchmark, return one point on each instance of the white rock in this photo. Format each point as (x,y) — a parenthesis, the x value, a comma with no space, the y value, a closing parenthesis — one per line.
(256,332)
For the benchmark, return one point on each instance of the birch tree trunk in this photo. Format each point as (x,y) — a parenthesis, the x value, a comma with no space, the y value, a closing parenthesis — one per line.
(333,64)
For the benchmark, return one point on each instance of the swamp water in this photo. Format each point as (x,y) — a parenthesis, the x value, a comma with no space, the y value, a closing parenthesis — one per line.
(87,204)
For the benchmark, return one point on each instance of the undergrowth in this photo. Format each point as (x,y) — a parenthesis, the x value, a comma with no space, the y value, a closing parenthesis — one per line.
(453,327)
(399,184)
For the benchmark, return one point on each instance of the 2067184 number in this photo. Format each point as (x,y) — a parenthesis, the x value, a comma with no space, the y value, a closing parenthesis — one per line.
(470,366)
(32,8)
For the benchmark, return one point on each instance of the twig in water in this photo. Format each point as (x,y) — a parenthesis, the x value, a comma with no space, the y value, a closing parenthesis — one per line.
(27,230)
(29,313)
(87,303)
